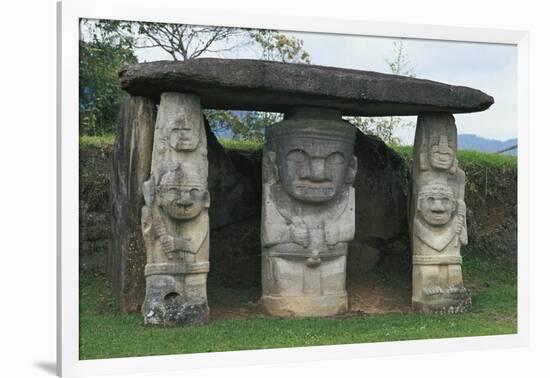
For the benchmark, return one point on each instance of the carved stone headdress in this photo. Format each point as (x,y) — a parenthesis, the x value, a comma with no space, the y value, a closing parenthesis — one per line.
(178,177)
(321,129)
(436,189)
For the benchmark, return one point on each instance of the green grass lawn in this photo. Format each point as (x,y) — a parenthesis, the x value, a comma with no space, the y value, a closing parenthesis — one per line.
(242,145)
(468,159)
(96,141)
(106,334)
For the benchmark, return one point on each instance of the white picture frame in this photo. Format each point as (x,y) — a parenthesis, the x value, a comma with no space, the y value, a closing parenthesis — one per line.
(69,13)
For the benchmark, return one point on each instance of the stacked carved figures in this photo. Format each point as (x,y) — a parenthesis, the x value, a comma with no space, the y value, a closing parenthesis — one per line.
(308,213)
(438,218)
(175,216)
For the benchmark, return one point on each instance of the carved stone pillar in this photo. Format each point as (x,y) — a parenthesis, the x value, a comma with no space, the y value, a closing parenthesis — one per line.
(308,213)
(438,218)
(174,219)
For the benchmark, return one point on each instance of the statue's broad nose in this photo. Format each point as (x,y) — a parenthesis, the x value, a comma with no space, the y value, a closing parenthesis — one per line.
(183,198)
(438,206)
(444,145)
(317,169)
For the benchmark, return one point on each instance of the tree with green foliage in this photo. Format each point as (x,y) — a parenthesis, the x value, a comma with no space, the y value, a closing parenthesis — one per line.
(280,47)
(183,42)
(100,95)
(179,41)
(245,126)
(384,127)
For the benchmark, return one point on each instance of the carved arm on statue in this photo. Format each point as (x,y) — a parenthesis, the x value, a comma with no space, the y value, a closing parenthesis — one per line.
(157,224)
(461,229)
(299,232)
(275,235)
(332,234)
(193,245)
(146,222)
(341,228)
(337,233)
(171,243)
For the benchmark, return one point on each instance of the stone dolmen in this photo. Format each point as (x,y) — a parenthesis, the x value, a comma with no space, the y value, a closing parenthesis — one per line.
(308,174)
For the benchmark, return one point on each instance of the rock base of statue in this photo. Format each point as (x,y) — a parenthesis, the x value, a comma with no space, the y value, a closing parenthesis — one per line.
(431,298)
(301,288)
(457,302)
(176,296)
(305,306)
(177,314)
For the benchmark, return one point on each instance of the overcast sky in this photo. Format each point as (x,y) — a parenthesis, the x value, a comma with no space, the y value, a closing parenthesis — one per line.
(489,67)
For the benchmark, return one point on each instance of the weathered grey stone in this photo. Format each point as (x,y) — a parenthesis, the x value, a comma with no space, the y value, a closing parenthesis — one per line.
(174,219)
(308,213)
(234,181)
(243,84)
(382,188)
(131,166)
(438,218)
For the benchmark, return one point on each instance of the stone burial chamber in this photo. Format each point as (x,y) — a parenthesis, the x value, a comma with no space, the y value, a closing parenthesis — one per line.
(326,196)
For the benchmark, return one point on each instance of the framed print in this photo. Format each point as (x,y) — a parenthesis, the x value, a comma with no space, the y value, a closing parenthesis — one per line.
(285,188)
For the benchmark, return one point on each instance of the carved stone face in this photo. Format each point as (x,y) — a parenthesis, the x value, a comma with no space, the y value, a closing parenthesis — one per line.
(436,205)
(182,201)
(441,153)
(183,135)
(313,170)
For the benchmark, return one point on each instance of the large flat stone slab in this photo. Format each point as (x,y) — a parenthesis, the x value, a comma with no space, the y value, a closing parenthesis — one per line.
(243,84)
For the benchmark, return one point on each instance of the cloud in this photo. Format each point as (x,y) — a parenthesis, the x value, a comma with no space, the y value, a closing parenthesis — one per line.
(491,68)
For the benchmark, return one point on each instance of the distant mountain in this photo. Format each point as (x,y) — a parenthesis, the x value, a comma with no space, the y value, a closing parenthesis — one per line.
(477,143)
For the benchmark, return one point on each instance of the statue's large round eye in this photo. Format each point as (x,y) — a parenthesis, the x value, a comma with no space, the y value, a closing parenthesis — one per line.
(194,192)
(335,158)
(446,201)
(297,156)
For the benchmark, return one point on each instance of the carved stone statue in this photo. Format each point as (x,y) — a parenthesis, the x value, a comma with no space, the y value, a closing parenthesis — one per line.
(174,220)
(438,218)
(308,213)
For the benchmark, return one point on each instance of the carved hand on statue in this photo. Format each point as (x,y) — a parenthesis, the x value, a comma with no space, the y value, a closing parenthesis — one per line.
(168,243)
(460,218)
(299,232)
(462,209)
(158,226)
(183,244)
(146,221)
(331,235)
(459,226)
